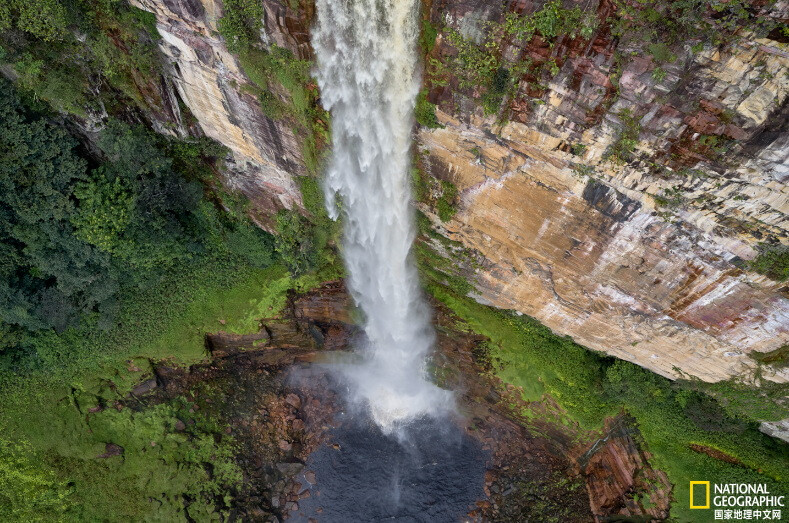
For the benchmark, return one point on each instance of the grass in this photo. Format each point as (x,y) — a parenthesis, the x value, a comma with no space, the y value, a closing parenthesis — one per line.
(162,475)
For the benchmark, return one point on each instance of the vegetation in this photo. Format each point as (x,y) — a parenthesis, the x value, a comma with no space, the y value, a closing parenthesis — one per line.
(621,151)
(61,52)
(28,492)
(72,233)
(772,261)
(778,358)
(427,37)
(56,411)
(440,194)
(281,81)
(445,205)
(676,21)
(112,261)
(286,91)
(483,68)
(241,23)
(425,112)
(550,21)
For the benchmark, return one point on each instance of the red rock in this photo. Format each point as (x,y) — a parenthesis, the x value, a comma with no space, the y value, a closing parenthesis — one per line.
(734,132)
(310,477)
(284,445)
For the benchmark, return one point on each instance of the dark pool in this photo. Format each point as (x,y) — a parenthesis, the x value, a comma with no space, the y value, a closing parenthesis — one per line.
(430,471)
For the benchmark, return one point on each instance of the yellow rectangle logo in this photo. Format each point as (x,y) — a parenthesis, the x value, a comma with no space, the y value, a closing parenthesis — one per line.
(706,496)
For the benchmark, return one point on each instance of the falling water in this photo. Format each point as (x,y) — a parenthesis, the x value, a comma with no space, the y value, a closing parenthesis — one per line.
(368,76)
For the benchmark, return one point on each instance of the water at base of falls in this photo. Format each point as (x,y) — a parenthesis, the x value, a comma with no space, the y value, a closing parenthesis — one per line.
(368,76)
(431,471)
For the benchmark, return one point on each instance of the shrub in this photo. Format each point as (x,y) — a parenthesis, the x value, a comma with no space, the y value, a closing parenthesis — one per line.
(425,112)
(621,151)
(241,23)
(294,242)
(29,491)
(445,205)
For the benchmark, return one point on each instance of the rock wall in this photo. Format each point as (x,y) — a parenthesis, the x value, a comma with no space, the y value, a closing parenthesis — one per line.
(266,153)
(580,243)
(591,252)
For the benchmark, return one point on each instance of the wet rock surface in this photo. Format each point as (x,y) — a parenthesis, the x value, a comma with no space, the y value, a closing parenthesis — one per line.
(306,456)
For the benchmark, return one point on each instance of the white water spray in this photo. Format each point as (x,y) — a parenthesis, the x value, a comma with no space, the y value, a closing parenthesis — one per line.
(368,76)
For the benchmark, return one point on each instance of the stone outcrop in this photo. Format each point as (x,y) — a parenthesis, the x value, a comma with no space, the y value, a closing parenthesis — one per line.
(619,479)
(641,260)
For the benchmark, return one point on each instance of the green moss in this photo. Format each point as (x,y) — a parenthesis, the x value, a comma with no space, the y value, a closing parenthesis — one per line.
(661,53)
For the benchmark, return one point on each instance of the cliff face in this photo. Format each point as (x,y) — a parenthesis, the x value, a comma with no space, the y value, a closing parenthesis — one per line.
(210,82)
(639,258)
(591,252)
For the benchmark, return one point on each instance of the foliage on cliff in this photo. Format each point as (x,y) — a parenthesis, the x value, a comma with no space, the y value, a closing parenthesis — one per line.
(512,56)
(83,56)
(772,261)
(241,23)
(280,80)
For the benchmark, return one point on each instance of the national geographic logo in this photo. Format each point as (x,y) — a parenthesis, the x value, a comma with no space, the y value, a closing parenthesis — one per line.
(737,501)
(706,485)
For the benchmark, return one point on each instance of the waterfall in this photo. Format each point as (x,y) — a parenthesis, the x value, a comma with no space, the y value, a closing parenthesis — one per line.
(369,78)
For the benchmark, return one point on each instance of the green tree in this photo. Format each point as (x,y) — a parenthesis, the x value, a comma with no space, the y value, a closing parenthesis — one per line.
(47,274)
(137,207)
(45,19)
